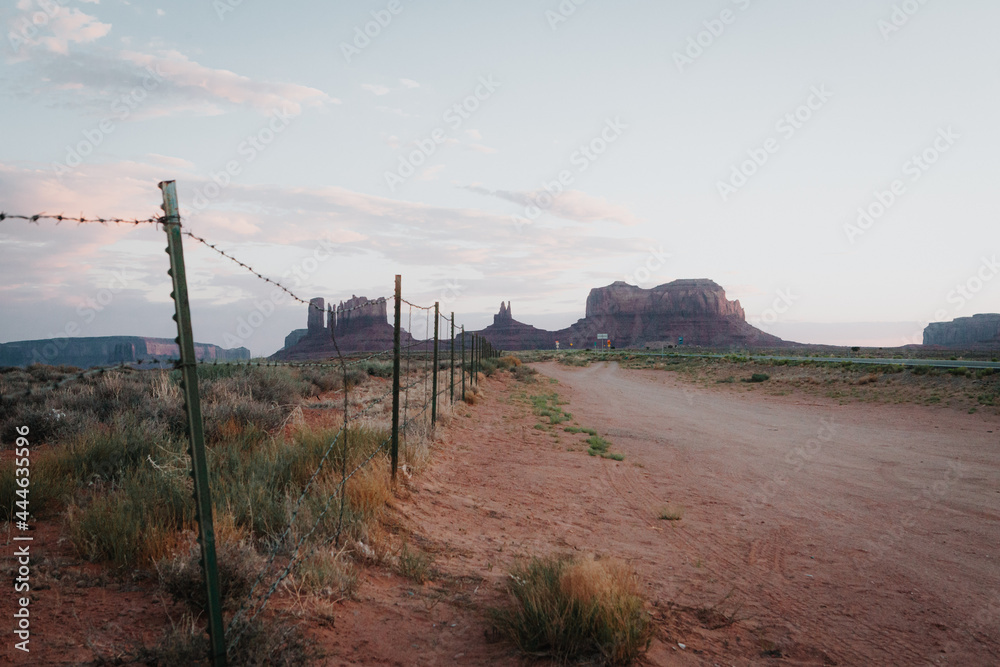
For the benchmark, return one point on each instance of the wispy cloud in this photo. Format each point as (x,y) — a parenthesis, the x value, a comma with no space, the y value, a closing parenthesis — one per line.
(409,83)
(392,110)
(62,68)
(568,205)
(62,26)
(375,89)
(431,173)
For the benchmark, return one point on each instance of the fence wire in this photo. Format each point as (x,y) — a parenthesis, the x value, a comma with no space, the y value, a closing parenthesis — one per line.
(419,376)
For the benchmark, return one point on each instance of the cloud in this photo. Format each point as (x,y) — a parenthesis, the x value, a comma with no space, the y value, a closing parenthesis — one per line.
(189,79)
(273,228)
(409,83)
(568,205)
(474,134)
(92,78)
(431,173)
(375,88)
(53,29)
(392,110)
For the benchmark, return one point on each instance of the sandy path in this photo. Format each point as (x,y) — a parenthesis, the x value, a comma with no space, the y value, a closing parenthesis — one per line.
(820,533)
(867,534)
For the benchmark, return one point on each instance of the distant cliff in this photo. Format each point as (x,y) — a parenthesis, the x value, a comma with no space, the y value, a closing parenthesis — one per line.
(976,331)
(695,310)
(506,333)
(106,350)
(360,325)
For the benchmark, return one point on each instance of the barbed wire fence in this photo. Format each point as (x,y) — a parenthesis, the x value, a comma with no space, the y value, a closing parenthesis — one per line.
(416,367)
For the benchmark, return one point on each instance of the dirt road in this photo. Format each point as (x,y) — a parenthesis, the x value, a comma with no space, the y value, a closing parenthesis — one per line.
(857,534)
(812,533)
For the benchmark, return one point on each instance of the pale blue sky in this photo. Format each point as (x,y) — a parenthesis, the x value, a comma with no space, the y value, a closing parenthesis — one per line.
(448,229)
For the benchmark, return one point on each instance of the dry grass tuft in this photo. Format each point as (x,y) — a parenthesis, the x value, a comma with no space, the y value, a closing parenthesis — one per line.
(509,361)
(573,609)
(670,513)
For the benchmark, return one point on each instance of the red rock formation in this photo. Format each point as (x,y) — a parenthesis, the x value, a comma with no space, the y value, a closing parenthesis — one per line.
(360,325)
(981,330)
(506,333)
(696,310)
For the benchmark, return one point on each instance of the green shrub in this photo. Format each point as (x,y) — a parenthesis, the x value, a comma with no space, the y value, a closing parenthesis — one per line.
(134,525)
(327,572)
(49,485)
(524,374)
(379,369)
(414,565)
(238,566)
(488,367)
(599,447)
(758,377)
(273,641)
(575,609)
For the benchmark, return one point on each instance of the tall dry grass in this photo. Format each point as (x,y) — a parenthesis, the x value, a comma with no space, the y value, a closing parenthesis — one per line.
(576,608)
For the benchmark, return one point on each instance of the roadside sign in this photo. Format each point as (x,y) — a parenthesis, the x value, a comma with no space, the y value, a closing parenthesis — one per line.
(680,340)
(602,336)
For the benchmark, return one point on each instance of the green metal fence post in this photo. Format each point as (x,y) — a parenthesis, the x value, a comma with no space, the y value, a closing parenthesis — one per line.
(462,366)
(434,380)
(452,346)
(188,366)
(395,379)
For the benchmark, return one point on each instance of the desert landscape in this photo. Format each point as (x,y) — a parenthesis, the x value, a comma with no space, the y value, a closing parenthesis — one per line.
(522,333)
(784,521)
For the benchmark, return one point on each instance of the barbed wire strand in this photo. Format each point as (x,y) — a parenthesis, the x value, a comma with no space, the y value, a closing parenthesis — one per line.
(79,220)
(290,293)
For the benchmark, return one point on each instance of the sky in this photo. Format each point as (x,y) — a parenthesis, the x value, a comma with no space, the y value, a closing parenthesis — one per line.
(831,165)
